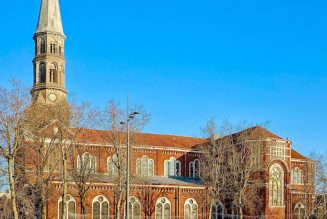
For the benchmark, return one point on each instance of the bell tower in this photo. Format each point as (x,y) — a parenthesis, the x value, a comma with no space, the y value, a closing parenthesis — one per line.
(49,60)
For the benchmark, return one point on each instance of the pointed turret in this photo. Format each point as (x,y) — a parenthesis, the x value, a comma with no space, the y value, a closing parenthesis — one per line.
(50,17)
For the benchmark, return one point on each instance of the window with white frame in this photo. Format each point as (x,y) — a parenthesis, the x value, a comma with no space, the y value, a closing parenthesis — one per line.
(276,186)
(70,207)
(144,166)
(299,211)
(134,208)
(163,209)
(86,163)
(217,211)
(100,207)
(194,169)
(190,209)
(172,167)
(296,175)
(278,150)
(112,165)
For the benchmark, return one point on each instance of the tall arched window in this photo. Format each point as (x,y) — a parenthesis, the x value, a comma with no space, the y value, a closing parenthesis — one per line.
(194,168)
(190,209)
(296,175)
(217,211)
(86,162)
(42,72)
(299,211)
(70,207)
(144,166)
(100,207)
(53,73)
(163,208)
(134,208)
(112,165)
(172,167)
(276,186)
(42,46)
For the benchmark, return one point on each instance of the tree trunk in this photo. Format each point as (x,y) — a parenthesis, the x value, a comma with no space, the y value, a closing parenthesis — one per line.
(118,206)
(210,212)
(43,207)
(12,187)
(240,207)
(83,207)
(64,179)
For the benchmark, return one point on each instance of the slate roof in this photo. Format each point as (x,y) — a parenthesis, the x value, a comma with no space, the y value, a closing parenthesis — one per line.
(148,180)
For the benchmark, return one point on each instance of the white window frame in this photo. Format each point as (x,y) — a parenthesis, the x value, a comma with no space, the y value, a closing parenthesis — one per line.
(297,210)
(104,200)
(132,210)
(170,167)
(111,164)
(139,166)
(159,201)
(187,202)
(280,194)
(218,204)
(81,159)
(71,198)
(192,168)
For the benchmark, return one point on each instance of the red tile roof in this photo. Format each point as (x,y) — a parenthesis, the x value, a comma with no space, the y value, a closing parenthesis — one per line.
(103,137)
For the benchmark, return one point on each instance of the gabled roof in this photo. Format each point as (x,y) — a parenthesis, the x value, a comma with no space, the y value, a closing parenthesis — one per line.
(142,139)
(258,132)
(49,17)
(297,155)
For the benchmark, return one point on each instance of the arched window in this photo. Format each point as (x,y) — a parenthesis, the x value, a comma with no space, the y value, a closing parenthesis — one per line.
(112,165)
(144,166)
(276,186)
(163,209)
(217,211)
(299,211)
(70,207)
(172,167)
(194,168)
(42,46)
(134,208)
(296,175)
(42,72)
(100,207)
(86,163)
(190,209)
(53,73)
(234,212)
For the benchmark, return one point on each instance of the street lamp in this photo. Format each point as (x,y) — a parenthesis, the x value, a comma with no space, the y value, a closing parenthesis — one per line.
(130,116)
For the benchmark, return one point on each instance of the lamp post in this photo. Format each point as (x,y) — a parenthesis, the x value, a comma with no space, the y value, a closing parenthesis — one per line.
(130,116)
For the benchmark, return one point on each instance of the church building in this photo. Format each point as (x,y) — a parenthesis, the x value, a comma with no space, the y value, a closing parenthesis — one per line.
(170,166)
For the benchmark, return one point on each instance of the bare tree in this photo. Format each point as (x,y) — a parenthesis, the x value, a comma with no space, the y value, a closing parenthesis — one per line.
(113,118)
(320,182)
(232,167)
(13,104)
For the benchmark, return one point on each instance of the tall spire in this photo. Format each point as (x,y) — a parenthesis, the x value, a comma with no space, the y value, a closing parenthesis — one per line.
(50,17)
(49,61)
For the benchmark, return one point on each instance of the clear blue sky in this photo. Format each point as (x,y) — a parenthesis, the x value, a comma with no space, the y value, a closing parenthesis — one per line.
(187,61)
